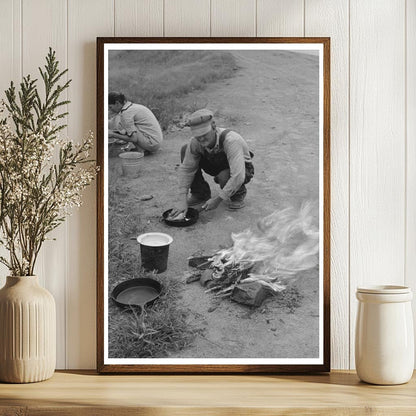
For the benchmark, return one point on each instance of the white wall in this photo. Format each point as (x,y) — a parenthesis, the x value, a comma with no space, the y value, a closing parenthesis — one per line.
(373,132)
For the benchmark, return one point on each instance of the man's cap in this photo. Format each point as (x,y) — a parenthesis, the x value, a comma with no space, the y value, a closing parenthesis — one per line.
(200,122)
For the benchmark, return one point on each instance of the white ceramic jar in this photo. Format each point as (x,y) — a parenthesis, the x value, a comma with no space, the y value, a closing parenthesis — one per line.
(384,338)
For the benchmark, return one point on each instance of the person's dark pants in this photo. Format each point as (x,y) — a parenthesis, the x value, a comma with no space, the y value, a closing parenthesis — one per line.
(218,168)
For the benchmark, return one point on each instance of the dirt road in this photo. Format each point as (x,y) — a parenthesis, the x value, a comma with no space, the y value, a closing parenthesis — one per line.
(272,101)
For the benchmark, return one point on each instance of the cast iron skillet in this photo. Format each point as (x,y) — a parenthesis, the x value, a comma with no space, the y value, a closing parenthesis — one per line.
(191,217)
(136,292)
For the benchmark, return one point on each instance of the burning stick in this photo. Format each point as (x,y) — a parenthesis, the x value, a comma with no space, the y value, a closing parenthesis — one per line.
(285,243)
(200,263)
(219,290)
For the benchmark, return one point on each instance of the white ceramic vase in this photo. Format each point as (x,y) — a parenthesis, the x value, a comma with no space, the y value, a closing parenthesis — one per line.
(384,338)
(27,331)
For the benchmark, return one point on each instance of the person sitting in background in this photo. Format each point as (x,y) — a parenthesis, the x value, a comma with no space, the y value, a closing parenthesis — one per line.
(114,123)
(136,124)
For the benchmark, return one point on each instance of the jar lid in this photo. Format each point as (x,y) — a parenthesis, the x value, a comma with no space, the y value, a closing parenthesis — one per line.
(384,289)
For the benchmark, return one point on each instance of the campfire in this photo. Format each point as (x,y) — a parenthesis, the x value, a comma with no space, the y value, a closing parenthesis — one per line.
(268,258)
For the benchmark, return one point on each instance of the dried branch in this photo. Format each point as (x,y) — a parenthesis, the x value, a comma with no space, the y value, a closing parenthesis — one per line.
(36,193)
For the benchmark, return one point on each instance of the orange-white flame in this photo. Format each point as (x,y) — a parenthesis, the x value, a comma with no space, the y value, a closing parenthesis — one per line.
(285,243)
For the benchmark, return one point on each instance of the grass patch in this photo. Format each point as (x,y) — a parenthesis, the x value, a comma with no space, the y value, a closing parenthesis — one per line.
(160,79)
(163,328)
(159,330)
(123,222)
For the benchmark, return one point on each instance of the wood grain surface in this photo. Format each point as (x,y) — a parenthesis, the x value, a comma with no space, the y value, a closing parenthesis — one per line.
(52,261)
(233,18)
(138,18)
(377,148)
(85,393)
(85,19)
(280,18)
(410,262)
(179,21)
(331,17)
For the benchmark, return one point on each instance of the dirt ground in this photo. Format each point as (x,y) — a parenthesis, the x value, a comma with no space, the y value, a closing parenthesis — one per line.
(272,101)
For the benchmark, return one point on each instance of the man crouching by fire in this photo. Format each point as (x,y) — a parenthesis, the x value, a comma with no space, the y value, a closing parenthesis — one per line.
(221,153)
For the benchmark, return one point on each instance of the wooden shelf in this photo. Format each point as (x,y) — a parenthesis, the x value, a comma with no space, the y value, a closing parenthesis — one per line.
(86,393)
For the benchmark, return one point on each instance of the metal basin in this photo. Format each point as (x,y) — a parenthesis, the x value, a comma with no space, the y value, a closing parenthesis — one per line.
(191,217)
(136,292)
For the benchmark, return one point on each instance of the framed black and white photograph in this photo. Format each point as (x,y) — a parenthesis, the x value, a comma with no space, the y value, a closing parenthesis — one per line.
(213,205)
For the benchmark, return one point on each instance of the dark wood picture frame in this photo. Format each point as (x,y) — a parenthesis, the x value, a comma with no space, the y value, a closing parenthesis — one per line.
(324,366)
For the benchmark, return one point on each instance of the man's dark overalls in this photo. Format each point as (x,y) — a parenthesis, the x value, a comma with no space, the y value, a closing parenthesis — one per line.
(216,165)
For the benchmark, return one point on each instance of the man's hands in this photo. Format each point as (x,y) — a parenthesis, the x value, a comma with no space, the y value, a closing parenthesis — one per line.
(182,207)
(211,203)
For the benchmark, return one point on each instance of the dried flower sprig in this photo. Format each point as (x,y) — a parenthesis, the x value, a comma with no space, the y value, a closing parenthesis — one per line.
(41,176)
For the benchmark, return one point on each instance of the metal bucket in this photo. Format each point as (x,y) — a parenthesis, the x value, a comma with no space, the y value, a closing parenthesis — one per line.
(130,163)
(154,250)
